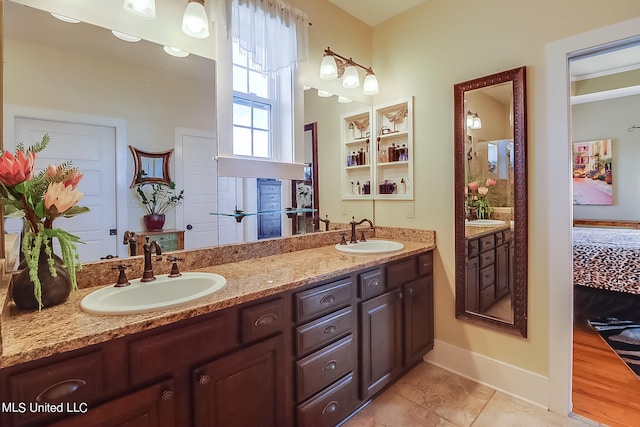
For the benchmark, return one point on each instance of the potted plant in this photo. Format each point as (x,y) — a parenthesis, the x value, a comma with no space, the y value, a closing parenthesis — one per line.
(46,279)
(157,199)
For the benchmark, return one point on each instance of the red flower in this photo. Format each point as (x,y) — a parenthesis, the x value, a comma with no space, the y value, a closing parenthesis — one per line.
(18,169)
(73,179)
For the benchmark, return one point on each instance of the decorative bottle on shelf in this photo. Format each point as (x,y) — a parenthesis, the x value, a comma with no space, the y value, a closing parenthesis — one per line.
(402,188)
(358,188)
(393,153)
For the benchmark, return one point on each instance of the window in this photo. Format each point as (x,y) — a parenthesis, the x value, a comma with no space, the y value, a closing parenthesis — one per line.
(254,108)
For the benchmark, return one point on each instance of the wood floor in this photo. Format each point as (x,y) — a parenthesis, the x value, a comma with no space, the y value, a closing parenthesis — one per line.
(604,387)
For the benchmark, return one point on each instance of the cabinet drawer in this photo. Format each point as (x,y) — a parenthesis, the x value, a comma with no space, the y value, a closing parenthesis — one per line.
(323,299)
(270,198)
(323,367)
(261,320)
(330,407)
(487,258)
(473,248)
(371,284)
(324,330)
(487,242)
(80,379)
(161,353)
(401,272)
(487,276)
(269,189)
(425,264)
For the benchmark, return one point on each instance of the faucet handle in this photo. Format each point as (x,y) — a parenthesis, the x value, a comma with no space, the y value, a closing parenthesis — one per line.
(122,277)
(343,241)
(175,272)
(362,237)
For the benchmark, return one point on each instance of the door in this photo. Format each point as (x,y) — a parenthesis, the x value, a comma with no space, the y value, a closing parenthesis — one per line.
(381,322)
(92,149)
(200,181)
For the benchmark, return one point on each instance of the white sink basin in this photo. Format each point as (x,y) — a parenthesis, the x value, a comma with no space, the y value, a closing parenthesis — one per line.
(371,247)
(164,292)
(484,222)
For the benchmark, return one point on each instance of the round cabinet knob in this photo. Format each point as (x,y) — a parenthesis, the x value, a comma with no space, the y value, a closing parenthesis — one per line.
(167,396)
(204,379)
(189,227)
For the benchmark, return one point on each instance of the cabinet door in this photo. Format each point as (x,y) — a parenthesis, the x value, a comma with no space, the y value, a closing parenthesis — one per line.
(381,320)
(418,319)
(502,270)
(472,284)
(151,406)
(245,388)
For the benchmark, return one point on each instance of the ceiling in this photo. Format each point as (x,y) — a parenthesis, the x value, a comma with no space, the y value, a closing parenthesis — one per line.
(613,61)
(374,12)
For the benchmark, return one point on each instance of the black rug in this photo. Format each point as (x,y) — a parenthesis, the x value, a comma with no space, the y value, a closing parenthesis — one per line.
(624,337)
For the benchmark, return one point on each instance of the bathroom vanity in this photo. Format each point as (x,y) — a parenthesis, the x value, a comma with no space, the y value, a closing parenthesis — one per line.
(303,338)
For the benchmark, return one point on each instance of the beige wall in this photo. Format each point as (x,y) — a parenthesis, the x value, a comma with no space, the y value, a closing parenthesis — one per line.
(611,119)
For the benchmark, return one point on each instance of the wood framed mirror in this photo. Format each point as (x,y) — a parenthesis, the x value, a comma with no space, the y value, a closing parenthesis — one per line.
(491,201)
(152,168)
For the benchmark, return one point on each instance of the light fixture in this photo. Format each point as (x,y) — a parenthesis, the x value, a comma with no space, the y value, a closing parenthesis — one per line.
(473,120)
(143,8)
(334,66)
(65,18)
(344,100)
(324,93)
(174,51)
(125,37)
(194,22)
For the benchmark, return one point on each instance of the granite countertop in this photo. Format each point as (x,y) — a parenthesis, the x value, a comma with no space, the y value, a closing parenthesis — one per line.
(471,232)
(31,335)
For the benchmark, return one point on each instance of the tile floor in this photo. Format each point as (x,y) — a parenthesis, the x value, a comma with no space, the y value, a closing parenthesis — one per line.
(431,396)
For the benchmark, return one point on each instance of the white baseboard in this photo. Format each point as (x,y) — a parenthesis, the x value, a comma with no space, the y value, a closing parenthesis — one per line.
(509,379)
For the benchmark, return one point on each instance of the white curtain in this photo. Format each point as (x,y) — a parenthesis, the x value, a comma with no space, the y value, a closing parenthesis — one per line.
(274,33)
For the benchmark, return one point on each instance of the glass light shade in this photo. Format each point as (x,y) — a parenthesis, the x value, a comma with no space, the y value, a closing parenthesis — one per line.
(469,120)
(194,22)
(174,51)
(370,85)
(477,123)
(344,100)
(351,78)
(65,18)
(328,68)
(324,93)
(125,37)
(143,8)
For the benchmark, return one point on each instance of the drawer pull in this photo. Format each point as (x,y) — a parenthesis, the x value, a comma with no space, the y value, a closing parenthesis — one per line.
(266,319)
(328,299)
(167,396)
(58,391)
(330,366)
(374,283)
(204,379)
(331,407)
(331,329)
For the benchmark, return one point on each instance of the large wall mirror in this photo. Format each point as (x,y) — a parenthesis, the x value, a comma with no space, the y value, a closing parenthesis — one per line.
(491,201)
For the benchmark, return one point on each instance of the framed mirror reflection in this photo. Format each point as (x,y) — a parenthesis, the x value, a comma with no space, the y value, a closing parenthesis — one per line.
(491,201)
(151,168)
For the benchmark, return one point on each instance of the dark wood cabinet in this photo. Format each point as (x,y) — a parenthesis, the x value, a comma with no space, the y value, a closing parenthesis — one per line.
(307,357)
(153,406)
(381,345)
(242,389)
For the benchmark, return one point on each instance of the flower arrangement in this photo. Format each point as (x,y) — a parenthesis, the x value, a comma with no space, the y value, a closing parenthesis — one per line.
(159,198)
(39,200)
(476,202)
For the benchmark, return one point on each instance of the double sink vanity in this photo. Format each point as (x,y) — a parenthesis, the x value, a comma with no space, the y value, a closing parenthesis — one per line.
(300,333)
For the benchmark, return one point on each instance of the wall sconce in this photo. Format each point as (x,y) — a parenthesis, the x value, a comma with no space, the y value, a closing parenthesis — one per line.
(143,8)
(473,120)
(194,22)
(334,66)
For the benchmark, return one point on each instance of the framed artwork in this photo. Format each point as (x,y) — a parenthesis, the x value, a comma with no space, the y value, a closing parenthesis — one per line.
(593,172)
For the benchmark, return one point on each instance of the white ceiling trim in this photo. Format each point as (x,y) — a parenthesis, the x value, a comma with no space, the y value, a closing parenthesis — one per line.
(605,94)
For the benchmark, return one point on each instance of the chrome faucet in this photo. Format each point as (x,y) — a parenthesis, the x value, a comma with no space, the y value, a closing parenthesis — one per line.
(353,224)
(147,275)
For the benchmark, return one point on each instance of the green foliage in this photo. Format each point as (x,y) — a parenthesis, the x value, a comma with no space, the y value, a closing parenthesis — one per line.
(159,198)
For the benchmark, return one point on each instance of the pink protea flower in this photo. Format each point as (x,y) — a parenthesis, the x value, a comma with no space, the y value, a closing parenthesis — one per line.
(483,190)
(18,169)
(73,179)
(59,198)
(52,171)
(490,182)
(473,186)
